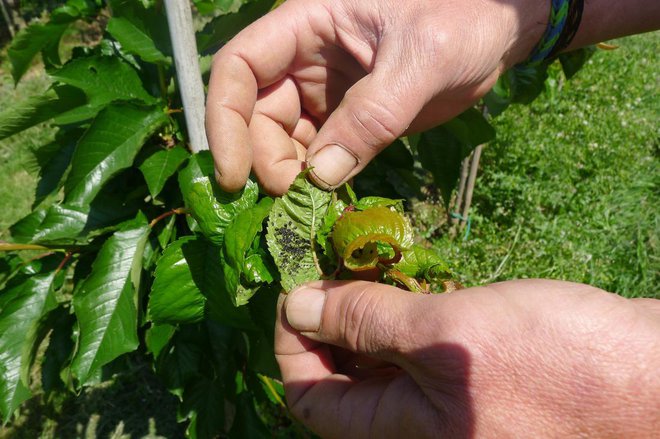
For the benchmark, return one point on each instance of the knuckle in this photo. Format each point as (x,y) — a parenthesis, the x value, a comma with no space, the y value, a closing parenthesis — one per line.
(374,121)
(369,324)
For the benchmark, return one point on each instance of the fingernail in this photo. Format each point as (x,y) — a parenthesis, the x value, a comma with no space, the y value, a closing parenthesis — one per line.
(331,165)
(304,307)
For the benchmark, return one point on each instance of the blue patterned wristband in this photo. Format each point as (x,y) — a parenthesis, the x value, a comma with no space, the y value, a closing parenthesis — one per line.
(558,15)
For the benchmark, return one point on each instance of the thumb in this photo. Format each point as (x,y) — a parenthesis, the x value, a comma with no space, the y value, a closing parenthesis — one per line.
(373,113)
(363,317)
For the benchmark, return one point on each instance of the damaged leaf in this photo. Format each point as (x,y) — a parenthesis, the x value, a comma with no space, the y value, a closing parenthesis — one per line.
(357,234)
(292,227)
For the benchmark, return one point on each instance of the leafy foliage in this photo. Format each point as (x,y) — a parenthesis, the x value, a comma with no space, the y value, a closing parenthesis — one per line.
(146,253)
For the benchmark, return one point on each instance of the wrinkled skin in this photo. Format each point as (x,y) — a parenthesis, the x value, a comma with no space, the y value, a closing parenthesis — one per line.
(532,358)
(354,73)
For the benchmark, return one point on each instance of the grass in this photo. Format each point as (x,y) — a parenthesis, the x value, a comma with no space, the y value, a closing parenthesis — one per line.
(569,191)
(18,178)
(570,188)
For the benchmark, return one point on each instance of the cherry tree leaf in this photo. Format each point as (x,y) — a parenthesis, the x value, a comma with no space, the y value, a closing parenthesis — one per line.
(109,146)
(294,220)
(19,320)
(160,166)
(106,303)
(423,263)
(238,240)
(175,298)
(212,208)
(356,236)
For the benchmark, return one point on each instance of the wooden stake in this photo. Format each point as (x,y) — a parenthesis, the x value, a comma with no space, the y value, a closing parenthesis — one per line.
(461,189)
(189,77)
(474,167)
(7,17)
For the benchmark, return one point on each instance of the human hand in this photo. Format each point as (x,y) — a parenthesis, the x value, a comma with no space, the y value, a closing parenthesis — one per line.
(333,82)
(531,358)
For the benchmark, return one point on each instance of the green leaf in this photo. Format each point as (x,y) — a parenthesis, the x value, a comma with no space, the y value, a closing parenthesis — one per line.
(103,79)
(422,263)
(526,83)
(109,145)
(204,404)
(221,29)
(443,149)
(69,224)
(204,260)
(62,223)
(54,160)
(55,373)
(257,269)
(356,236)
(180,361)
(370,202)
(292,226)
(157,337)
(29,42)
(73,9)
(471,128)
(175,298)
(238,238)
(573,61)
(141,29)
(135,39)
(391,174)
(189,280)
(106,303)
(9,264)
(442,153)
(208,7)
(38,109)
(263,307)
(211,207)
(247,422)
(160,166)
(168,233)
(18,330)
(323,234)
(24,229)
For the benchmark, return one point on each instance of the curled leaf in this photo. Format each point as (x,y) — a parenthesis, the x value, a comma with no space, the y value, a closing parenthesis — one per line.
(357,235)
(423,263)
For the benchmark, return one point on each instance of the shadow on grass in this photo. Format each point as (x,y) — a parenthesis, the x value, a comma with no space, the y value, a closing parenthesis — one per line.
(133,405)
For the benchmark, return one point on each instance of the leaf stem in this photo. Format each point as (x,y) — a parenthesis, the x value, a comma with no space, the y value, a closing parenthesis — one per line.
(66,259)
(10,247)
(269,383)
(177,211)
(161,81)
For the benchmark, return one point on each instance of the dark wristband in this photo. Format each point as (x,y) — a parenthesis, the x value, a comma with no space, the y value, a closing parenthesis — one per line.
(570,28)
(565,17)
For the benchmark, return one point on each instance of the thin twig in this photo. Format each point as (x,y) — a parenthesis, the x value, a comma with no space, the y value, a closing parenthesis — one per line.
(66,259)
(177,211)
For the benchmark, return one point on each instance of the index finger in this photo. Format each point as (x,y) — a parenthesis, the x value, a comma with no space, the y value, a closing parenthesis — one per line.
(257,57)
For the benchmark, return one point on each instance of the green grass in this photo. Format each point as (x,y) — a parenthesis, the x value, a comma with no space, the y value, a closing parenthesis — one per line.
(18,177)
(569,190)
